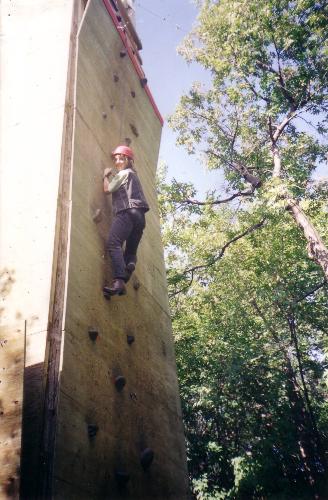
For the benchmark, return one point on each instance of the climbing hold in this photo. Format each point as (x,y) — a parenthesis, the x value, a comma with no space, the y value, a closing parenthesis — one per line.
(97,216)
(122,477)
(143,82)
(116,78)
(119,382)
(133,93)
(104,115)
(136,284)
(134,130)
(163,348)
(92,430)
(146,458)
(93,333)
(130,339)
(112,106)
(127,141)
(122,53)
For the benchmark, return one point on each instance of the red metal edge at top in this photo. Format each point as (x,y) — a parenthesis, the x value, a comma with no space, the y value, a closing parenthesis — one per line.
(124,37)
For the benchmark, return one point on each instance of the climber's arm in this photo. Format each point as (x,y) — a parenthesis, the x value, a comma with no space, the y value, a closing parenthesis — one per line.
(112,181)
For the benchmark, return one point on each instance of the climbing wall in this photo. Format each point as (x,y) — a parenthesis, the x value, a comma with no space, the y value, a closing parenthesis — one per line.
(119,430)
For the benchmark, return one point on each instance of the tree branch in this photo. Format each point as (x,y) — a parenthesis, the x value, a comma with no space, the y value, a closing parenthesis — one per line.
(255,92)
(281,82)
(280,128)
(249,192)
(266,323)
(309,292)
(192,270)
(240,168)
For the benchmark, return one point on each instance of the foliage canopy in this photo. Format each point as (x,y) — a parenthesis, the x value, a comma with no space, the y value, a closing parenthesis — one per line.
(249,307)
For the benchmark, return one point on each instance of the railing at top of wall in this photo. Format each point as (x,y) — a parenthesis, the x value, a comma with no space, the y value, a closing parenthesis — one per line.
(132,44)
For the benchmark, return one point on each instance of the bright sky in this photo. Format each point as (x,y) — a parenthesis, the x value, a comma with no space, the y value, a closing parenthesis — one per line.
(161,26)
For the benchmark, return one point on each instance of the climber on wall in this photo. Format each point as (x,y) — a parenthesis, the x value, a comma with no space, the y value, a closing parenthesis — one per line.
(129,206)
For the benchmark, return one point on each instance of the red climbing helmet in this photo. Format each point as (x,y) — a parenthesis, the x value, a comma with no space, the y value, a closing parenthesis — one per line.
(123,150)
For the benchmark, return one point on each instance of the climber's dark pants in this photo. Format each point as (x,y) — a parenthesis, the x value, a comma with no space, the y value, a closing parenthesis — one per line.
(127,226)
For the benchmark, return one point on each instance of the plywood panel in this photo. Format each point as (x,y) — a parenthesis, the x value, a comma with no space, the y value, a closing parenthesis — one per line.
(89,197)
(117,446)
(146,413)
(105,87)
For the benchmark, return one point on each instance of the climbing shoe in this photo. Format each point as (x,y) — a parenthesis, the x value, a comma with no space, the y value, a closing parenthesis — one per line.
(116,288)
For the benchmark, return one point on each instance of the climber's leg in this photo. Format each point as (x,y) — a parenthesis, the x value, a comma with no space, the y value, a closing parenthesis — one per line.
(137,217)
(120,230)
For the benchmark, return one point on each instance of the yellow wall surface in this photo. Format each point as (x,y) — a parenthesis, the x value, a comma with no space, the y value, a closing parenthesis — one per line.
(111,104)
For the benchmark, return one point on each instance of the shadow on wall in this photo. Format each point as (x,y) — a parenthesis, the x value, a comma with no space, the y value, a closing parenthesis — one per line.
(11,399)
(31,432)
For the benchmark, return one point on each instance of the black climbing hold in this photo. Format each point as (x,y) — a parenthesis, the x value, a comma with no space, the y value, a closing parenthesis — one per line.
(127,141)
(122,477)
(146,458)
(134,130)
(133,93)
(116,78)
(104,115)
(93,333)
(136,284)
(130,339)
(122,53)
(92,430)
(143,82)
(119,382)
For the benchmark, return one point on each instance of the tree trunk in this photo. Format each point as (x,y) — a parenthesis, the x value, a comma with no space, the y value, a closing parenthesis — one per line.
(311,417)
(306,453)
(317,250)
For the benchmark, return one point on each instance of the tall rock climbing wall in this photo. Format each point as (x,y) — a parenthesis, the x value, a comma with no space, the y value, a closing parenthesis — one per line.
(111,424)
(119,426)
(119,421)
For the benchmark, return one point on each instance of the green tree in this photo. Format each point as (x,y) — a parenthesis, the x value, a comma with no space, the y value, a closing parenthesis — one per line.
(250,336)
(264,120)
(249,308)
